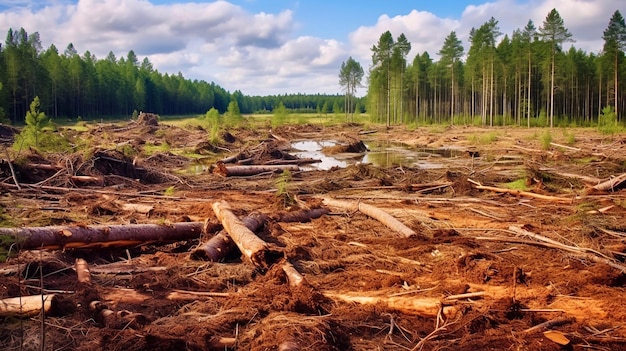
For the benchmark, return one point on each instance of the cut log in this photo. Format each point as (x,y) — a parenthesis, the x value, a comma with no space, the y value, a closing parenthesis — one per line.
(374,212)
(424,307)
(293,276)
(251,246)
(298,161)
(230,171)
(66,237)
(611,184)
(216,248)
(302,216)
(82,271)
(25,306)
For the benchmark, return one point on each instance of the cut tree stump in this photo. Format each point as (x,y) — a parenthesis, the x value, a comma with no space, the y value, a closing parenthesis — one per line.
(66,237)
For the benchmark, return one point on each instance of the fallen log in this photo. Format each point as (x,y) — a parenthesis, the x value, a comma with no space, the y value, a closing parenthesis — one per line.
(298,161)
(251,246)
(428,307)
(83,275)
(25,306)
(66,237)
(611,184)
(216,248)
(374,212)
(243,171)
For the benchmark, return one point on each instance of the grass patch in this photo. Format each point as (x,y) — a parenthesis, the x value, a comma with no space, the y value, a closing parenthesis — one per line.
(546,140)
(484,138)
(519,184)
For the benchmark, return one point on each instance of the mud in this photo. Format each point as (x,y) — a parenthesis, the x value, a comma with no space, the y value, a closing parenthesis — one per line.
(364,283)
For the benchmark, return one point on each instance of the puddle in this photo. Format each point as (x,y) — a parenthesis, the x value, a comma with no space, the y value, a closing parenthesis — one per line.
(382,154)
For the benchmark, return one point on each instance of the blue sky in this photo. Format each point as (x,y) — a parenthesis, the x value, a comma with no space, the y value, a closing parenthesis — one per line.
(264,47)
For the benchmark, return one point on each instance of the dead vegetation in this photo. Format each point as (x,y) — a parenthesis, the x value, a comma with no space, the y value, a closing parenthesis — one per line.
(507,246)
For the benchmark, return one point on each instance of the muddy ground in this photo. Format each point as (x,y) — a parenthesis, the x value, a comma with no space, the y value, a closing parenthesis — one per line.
(472,278)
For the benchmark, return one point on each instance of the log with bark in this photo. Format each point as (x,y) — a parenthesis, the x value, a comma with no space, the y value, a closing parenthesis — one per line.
(374,212)
(243,171)
(65,237)
(218,247)
(611,184)
(251,246)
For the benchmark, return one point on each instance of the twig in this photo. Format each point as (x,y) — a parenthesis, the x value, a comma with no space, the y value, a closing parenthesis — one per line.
(548,324)
(12,170)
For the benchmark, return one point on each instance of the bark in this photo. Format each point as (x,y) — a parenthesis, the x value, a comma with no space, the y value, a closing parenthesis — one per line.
(302,216)
(373,212)
(251,246)
(218,247)
(66,237)
(230,171)
(25,306)
(611,184)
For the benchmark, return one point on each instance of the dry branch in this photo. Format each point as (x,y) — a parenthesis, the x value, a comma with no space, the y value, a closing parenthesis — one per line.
(25,306)
(57,237)
(373,212)
(479,186)
(250,245)
(293,276)
(82,271)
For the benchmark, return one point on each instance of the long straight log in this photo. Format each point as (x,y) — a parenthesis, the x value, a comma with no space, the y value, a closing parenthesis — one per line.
(251,246)
(229,171)
(65,237)
(374,212)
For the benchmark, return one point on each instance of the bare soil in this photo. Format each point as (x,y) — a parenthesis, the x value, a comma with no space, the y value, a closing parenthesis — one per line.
(485,285)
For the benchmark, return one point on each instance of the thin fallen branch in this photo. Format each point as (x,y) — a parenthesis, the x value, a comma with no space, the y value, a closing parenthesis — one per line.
(479,186)
(182,295)
(374,212)
(549,324)
(17,184)
(565,147)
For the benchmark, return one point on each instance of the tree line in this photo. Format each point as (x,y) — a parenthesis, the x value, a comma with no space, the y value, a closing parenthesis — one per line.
(525,79)
(70,85)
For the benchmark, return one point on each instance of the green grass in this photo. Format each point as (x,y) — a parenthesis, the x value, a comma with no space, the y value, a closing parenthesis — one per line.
(484,138)
(519,184)
(546,139)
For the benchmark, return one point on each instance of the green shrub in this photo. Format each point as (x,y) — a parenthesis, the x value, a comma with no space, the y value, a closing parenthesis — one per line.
(546,139)
(607,121)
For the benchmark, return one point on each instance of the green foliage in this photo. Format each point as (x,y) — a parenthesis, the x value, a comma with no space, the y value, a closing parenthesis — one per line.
(135,115)
(279,116)
(214,119)
(233,114)
(519,184)
(170,191)
(546,139)
(483,138)
(607,121)
(282,189)
(33,134)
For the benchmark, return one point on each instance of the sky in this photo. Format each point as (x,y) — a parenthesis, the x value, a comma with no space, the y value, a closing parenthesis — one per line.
(270,47)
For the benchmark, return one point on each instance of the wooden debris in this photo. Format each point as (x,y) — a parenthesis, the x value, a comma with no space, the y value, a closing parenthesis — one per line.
(611,184)
(251,246)
(25,306)
(373,212)
(66,237)
(479,186)
(82,271)
(243,171)
(216,248)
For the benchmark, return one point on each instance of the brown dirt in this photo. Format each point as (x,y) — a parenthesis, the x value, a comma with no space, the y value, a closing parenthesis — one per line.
(464,245)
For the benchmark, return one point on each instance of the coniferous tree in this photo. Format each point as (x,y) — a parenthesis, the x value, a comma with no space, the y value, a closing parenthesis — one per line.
(450,53)
(554,33)
(613,50)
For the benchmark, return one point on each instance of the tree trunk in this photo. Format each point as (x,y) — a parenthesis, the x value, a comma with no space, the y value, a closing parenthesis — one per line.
(251,246)
(66,237)
(373,212)
(229,171)
(25,306)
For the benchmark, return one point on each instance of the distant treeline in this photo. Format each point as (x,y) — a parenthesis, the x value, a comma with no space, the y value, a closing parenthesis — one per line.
(70,85)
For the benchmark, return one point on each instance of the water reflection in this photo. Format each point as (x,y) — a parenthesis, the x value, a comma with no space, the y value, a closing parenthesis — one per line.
(382,154)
